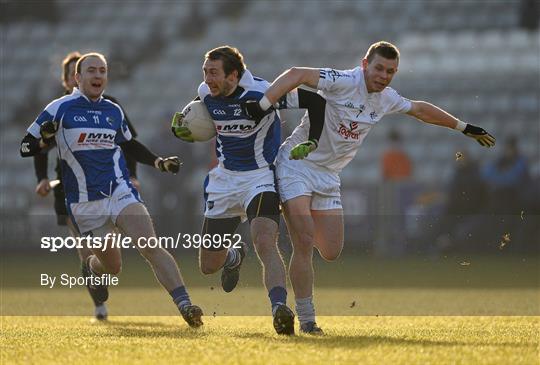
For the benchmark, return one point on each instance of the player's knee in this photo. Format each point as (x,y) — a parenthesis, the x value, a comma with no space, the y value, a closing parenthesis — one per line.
(303,243)
(332,251)
(331,255)
(265,242)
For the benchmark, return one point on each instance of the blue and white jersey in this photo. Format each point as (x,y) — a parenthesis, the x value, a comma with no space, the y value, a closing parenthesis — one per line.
(241,143)
(89,132)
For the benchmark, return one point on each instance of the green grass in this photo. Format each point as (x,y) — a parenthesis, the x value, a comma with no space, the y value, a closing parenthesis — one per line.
(239,340)
(406,311)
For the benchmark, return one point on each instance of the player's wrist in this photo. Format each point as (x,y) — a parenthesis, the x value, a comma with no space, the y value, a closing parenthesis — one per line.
(460,125)
(264,103)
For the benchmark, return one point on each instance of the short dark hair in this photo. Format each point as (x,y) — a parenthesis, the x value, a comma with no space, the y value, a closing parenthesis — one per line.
(230,56)
(383,49)
(66,62)
(78,66)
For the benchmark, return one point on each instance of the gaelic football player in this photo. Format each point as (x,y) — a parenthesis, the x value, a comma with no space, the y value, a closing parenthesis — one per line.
(44,184)
(308,170)
(89,132)
(242,186)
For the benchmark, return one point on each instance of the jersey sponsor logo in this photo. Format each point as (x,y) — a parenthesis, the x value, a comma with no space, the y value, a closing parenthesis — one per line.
(96,138)
(80,118)
(235,128)
(349,133)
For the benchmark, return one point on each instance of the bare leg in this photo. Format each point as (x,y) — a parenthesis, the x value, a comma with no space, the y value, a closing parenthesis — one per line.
(264,232)
(328,237)
(135,222)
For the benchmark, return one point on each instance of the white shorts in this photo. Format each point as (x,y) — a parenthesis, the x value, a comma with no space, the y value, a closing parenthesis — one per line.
(302,178)
(227,194)
(93,215)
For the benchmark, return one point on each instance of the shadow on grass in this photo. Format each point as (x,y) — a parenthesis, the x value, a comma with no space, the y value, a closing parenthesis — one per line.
(138,329)
(135,329)
(353,342)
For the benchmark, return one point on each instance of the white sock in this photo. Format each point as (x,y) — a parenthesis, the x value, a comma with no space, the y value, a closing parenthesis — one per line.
(101,310)
(305,310)
(233,258)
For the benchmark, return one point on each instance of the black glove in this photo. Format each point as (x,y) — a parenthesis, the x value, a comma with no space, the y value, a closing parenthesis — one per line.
(252,109)
(169,164)
(484,138)
(47,130)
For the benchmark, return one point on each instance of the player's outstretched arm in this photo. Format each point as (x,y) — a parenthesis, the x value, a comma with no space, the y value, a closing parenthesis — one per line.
(285,82)
(143,155)
(432,114)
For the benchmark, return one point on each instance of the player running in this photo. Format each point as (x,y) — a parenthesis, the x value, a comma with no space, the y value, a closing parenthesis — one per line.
(44,184)
(308,169)
(89,131)
(242,186)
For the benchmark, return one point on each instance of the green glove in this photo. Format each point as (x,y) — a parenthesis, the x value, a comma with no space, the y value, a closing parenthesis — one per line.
(180,131)
(302,150)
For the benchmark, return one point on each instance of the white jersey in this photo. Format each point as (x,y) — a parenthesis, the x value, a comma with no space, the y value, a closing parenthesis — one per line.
(351,112)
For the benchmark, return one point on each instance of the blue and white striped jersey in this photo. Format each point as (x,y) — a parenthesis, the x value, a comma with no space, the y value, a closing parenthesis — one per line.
(92,162)
(241,143)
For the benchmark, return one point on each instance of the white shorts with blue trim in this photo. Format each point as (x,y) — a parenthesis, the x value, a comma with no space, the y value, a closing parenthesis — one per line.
(228,193)
(96,214)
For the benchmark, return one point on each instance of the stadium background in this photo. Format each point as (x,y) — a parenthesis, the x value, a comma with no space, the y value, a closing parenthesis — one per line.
(480,60)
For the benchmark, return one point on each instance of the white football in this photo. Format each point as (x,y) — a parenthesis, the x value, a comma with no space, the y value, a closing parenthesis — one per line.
(198,121)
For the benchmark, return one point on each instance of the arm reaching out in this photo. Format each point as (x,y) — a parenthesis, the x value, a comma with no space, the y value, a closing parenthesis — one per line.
(285,82)
(432,114)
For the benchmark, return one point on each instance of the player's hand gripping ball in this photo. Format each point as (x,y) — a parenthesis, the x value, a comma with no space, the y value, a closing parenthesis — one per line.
(194,123)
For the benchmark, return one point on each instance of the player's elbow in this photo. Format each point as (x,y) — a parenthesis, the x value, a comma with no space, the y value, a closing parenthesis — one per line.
(298,75)
(29,146)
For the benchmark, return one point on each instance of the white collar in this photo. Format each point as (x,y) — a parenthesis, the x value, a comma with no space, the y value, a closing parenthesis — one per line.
(246,80)
(77,92)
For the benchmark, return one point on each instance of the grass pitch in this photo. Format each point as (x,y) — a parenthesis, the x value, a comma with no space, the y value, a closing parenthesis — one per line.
(248,340)
(372,312)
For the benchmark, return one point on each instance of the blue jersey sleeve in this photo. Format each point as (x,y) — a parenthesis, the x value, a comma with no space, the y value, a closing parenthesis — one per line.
(123,134)
(36,125)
